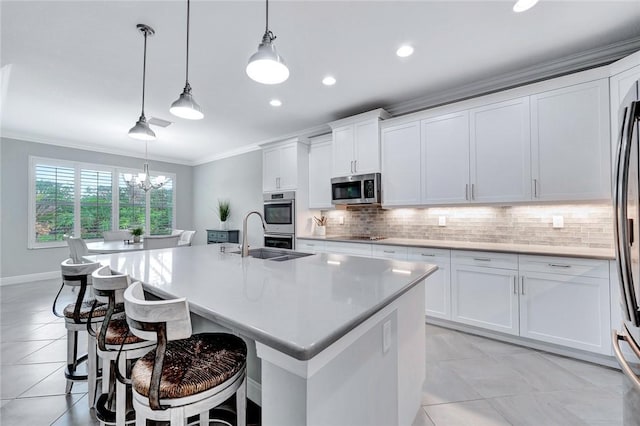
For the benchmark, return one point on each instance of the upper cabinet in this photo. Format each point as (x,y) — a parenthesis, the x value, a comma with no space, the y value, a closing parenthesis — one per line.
(570,143)
(356,143)
(281,165)
(320,168)
(401,179)
(500,152)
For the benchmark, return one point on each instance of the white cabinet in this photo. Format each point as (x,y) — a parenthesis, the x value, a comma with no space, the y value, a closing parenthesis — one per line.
(280,167)
(565,301)
(320,166)
(437,285)
(500,152)
(445,159)
(356,249)
(401,165)
(356,143)
(389,252)
(484,290)
(570,142)
(310,246)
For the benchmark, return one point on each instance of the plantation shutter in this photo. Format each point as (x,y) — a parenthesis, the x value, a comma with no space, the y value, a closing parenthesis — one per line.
(54,202)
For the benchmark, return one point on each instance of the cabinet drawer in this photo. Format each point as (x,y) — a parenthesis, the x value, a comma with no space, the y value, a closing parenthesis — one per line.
(358,249)
(485,259)
(565,266)
(217,236)
(389,252)
(311,246)
(421,254)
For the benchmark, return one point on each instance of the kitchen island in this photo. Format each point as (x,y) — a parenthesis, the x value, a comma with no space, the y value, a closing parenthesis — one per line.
(340,339)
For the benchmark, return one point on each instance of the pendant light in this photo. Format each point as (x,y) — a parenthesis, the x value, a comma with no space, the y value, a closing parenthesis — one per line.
(186,106)
(143,180)
(142,130)
(266,66)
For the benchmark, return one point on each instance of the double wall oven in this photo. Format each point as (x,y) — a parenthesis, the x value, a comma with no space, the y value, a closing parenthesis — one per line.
(280,219)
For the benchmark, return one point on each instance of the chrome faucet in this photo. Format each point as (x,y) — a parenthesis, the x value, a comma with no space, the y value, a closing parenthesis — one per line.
(245,246)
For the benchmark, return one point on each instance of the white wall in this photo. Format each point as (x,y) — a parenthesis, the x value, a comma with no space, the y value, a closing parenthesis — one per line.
(16,260)
(238,179)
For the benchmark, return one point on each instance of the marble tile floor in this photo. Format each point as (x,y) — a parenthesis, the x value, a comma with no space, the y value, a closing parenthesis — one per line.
(471,381)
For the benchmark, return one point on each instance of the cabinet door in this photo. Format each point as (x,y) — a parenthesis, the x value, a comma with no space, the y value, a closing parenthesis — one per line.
(288,172)
(570,142)
(320,175)
(356,249)
(485,297)
(367,147)
(568,310)
(343,151)
(445,159)
(401,165)
(270,169)
(437,285)
(500,152)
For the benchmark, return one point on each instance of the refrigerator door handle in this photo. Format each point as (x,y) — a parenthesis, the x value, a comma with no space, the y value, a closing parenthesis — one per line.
(627,370)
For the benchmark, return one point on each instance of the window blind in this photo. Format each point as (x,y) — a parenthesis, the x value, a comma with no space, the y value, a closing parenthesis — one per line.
(54,202)
(95,203)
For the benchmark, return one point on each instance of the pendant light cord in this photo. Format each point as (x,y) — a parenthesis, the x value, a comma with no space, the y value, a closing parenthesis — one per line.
(266,25)
(144,69)
(187,67)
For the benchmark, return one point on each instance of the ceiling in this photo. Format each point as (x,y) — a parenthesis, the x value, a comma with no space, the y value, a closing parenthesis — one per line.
(72,70)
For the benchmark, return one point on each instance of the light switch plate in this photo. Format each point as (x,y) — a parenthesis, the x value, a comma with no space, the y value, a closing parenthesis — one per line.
(558,222)
(341,220)
(442,221)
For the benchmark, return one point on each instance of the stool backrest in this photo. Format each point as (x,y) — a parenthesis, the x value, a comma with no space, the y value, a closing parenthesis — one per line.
(77,249)
(120,235)
(160,241)
(177,231)
(74,272)
(143,316)
(105,283)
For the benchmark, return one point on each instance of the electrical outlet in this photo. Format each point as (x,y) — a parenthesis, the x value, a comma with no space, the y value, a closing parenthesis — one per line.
(442,221)
(558,222)
(341,220)
(386,336)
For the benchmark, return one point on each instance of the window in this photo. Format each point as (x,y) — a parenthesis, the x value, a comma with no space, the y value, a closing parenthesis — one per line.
(86,200)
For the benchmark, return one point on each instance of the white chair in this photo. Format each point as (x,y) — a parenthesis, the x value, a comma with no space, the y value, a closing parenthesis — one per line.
(117,347)
(160,241)
(77,249)
(120,235)
(186,238)
(177,231)
(164,389)
(79,317)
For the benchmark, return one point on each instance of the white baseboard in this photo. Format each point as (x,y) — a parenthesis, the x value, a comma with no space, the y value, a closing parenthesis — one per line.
(254,391)
(17,279)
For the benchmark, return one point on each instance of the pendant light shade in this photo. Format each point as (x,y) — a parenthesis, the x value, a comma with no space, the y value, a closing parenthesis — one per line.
(141,130)
(185,106)
(266,66)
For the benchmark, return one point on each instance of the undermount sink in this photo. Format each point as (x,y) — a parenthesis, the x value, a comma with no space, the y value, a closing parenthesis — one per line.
(276,255)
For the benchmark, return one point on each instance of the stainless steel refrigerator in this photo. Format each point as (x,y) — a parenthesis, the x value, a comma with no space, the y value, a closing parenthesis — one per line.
(626,202)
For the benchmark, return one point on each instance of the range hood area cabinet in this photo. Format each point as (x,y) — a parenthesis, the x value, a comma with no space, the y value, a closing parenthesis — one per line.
(320,169)
(551,145)
(356,143)
(284,165)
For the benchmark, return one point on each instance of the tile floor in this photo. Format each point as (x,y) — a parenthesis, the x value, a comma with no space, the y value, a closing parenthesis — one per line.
(470,380)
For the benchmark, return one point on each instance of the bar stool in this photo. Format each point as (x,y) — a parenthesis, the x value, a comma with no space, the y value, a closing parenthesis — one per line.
(78,318)
(186,374)
(114,404)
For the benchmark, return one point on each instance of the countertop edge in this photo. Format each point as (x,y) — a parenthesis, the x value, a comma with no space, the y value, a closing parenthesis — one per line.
(562,251)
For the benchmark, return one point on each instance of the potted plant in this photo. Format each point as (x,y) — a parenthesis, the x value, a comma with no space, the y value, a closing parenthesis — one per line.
(137,233)
(224,211)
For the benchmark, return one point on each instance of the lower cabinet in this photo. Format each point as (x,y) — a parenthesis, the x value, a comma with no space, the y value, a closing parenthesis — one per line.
(437,285)
(310,246)
(484,290)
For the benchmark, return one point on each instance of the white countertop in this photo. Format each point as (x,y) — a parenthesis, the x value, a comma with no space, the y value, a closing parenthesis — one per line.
(298,307)
(586,252)
(113,246)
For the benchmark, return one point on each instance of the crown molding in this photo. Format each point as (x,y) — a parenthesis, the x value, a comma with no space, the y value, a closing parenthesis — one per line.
(227,154)
(569,64)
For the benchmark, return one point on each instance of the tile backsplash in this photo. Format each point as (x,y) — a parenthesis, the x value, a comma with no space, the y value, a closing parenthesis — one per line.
(584,225)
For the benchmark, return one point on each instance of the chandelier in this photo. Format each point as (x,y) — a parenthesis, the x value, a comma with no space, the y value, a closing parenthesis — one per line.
(143,180)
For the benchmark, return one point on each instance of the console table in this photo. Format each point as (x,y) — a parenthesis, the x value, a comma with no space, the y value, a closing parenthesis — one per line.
(223,236)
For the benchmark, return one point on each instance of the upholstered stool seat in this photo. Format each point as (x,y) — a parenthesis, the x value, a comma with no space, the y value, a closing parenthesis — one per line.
(118,331)
(186,375)
(192,365)
(79,318)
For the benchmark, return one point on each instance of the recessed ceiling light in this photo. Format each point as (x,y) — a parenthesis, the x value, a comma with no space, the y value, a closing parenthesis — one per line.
(275,102)
(404,51)
(522,5)
(329,81)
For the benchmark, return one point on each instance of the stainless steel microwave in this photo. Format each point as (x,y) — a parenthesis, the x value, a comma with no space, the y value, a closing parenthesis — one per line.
(356,189)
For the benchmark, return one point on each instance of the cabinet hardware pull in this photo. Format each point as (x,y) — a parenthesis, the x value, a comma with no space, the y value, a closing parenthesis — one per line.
(428,254)
(473,191)
(351,166)
(278,182)
(559,265)
(535,188)
(515,285)
(466,191)
(355,166)
(388,251)
(522,285)
(482,259)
